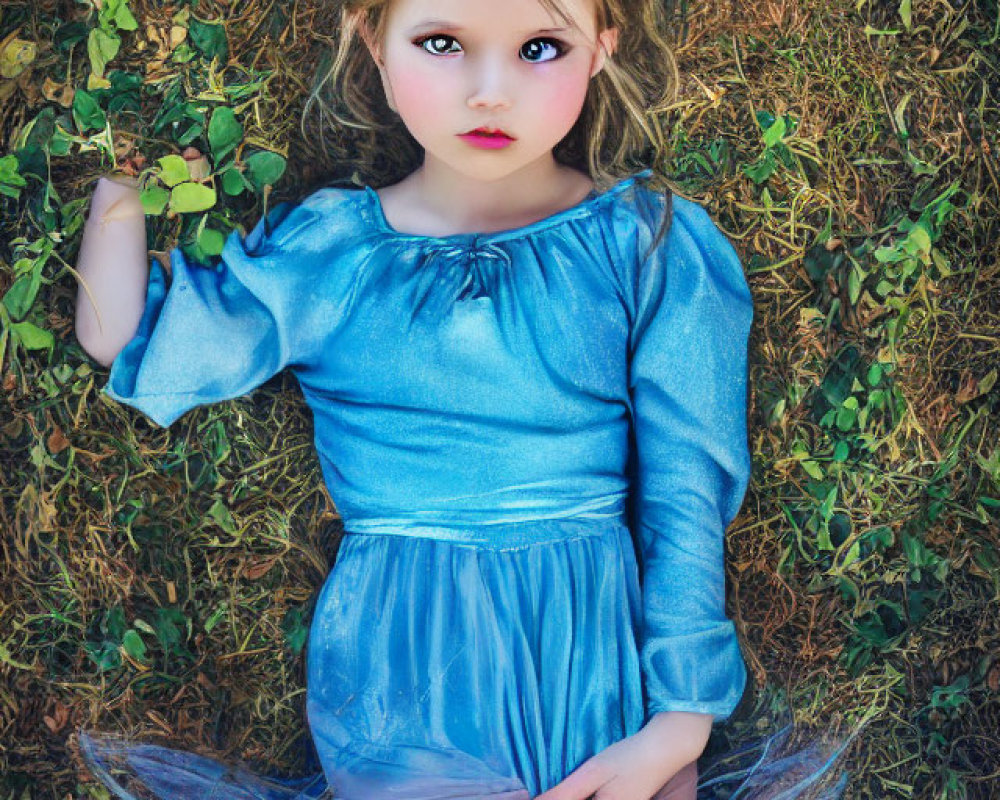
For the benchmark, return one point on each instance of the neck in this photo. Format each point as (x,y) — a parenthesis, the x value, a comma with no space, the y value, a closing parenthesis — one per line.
(466,203)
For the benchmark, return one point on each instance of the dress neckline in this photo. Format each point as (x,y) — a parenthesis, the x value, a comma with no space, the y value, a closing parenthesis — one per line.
(588,205)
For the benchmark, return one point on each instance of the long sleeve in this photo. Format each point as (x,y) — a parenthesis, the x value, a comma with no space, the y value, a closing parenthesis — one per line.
(688,384)
(218,332)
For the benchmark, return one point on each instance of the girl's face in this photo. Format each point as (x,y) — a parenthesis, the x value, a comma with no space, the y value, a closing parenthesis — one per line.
(450,67)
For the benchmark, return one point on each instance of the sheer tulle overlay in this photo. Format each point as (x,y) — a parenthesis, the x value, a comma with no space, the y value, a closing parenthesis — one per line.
(453,671)
(536,439)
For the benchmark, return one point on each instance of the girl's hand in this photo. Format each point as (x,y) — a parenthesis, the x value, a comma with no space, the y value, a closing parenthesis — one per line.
(637,767)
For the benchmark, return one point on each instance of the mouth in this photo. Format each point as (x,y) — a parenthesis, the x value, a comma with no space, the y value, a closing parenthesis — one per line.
(489,133)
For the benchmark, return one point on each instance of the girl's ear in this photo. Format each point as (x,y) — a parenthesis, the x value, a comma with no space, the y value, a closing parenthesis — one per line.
(607,42)
(369,38)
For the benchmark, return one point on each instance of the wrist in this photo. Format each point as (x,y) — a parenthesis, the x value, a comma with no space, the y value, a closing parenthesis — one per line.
(116,198)
(120,179)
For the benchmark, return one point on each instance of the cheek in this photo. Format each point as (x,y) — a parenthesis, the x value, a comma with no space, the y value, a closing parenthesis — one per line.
(562,99)
(419,95)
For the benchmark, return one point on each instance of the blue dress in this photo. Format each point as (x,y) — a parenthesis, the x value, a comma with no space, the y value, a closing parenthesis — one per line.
(535,438)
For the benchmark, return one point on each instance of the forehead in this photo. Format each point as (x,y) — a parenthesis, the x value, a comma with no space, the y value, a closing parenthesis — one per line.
(491,16)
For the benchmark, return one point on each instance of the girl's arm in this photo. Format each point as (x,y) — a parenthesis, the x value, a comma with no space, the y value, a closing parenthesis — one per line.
(113,268)
(688,376)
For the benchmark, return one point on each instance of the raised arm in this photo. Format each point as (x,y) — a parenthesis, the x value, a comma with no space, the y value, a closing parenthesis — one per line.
(113,267)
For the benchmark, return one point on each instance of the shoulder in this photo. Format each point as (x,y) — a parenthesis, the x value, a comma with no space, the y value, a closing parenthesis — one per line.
(328,217)
(665,221)
(299,249)
(673,240)
(652,209)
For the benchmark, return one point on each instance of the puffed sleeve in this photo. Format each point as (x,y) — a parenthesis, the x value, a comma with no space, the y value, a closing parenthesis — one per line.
(217,332)
(688,384)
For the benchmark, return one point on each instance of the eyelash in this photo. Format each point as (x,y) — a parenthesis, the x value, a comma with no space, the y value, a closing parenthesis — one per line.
(560,48)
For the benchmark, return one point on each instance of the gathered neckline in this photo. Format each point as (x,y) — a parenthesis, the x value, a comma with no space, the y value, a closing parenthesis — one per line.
(586,206)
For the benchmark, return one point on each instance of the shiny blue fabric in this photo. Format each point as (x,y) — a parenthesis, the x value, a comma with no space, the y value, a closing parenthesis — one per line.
(536,439)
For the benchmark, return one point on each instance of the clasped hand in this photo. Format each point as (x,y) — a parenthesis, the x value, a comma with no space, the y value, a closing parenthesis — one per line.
(638,766)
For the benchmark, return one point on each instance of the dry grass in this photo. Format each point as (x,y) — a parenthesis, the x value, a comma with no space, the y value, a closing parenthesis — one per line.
(211,538)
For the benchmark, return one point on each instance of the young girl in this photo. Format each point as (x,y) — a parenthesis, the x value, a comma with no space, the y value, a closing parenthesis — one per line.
(527,368)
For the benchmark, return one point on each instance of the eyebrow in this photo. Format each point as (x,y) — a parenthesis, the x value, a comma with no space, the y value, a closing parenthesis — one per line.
(450,27)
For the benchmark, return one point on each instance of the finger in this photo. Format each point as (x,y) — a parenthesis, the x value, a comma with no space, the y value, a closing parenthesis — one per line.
(683,786)
(579,784)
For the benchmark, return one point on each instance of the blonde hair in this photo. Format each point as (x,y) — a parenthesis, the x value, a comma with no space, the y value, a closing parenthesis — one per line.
(619,131)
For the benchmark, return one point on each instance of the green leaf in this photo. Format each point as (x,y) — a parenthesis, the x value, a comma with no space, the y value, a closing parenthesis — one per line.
(762,168)
(60,143)
(875,374)
(813,469)
(233,182)
(21,295)
(884,288)
(32,337)
(211,241)
(222,517)
(169,624)
(853,285)
(190,196)
(142,625)
(216,617)
(264,168)
(775,133)
(173,170)
(295,630)
(11,181)
(853,553)
(134,645)
(124,19)
(870,31)
(192,133)
(905,12)
(87,113)
(209,38)
(765,119)
(104,655)
(224,133)
(102,46)
(846,418)
(823,541)
(918,243)
(154,199)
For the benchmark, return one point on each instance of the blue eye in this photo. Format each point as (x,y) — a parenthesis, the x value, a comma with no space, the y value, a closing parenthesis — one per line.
(439,45)
(539,50)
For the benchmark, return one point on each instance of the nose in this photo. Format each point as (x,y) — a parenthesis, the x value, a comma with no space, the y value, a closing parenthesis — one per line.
(490,84)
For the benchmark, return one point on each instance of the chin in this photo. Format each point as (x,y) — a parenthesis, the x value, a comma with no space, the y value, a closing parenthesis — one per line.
(490,168)
(488,173)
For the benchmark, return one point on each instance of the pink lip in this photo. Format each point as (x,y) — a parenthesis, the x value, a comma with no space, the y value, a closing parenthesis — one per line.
(485,142)
(486,138)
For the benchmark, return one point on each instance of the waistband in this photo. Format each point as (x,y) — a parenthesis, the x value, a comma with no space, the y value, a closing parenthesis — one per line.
(595,518)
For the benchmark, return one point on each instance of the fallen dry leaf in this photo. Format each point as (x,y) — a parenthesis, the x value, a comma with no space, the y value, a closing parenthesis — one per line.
(57,441)
(260,568)
(58,93)
(178,33)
